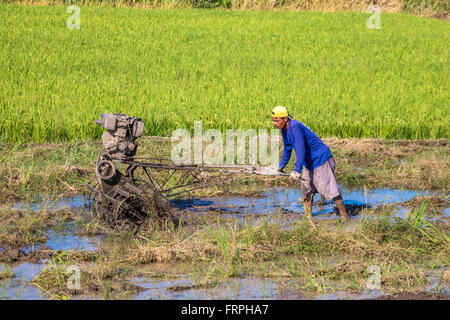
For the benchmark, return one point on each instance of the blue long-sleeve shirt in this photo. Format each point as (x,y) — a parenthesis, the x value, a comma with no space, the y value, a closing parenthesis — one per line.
(310,150)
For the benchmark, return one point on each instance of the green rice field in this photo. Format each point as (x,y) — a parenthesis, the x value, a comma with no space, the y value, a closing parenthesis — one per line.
(227,68)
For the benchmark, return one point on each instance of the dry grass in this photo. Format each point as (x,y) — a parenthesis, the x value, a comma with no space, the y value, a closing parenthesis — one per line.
(99,279)
(393,6)
(375,239)
(6,273)
(19,228)
(383,147)
(411,164)
(437,9)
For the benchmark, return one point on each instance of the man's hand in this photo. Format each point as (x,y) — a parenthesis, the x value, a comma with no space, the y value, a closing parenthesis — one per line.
(295,176)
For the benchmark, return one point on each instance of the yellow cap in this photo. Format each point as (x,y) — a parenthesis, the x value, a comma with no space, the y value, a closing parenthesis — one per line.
(279,112)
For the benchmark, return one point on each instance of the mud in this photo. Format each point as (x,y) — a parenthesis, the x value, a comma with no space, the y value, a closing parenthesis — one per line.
(19,286)
(434,203)
(9,254)
(344,268)
(194,286)
(114,287)
(160,212)
(136,212)
(12,255)
(288,201)
(387,148)
(415,296)
(66,203)
(185,288)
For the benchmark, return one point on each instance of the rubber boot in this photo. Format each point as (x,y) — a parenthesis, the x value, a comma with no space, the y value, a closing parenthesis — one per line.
(308,211)
(341,207)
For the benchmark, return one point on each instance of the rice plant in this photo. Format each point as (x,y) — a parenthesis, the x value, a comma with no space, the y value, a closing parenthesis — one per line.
(226,68)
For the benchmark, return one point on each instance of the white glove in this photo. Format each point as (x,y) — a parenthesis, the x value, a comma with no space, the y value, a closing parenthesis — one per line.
(295,176)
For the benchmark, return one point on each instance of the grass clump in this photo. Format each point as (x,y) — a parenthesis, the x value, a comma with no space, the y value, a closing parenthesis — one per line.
(19,228)
(414,232)
(66,276)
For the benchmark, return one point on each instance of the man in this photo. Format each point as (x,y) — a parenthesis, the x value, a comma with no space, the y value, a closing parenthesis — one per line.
(311,152)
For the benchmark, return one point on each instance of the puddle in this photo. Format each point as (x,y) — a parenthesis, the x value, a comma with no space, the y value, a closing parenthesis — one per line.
(77,202)
(401,213)
(435,286)
(66,240)
(342,295)
(250,289)
(18,287)
(27,271)
(287,201)
(233,289)
(184,288)
(273,201)
(277,200)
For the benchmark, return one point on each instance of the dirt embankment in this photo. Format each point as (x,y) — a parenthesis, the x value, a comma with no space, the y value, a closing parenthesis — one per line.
(376,163)
(386,148)
(409,164)
(434,9)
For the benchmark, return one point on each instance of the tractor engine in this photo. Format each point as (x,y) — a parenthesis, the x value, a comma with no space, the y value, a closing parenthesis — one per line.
(120,135)
(119,143)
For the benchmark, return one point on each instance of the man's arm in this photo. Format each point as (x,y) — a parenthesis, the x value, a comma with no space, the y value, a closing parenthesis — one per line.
(299,147)
(287,151)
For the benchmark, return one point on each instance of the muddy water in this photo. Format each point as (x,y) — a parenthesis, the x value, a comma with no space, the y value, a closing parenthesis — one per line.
(18,287)
(77,202)
(280,200)
(276,200)
(288,201)
(237,289)
(66,240)
(253,289)
(184,288)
